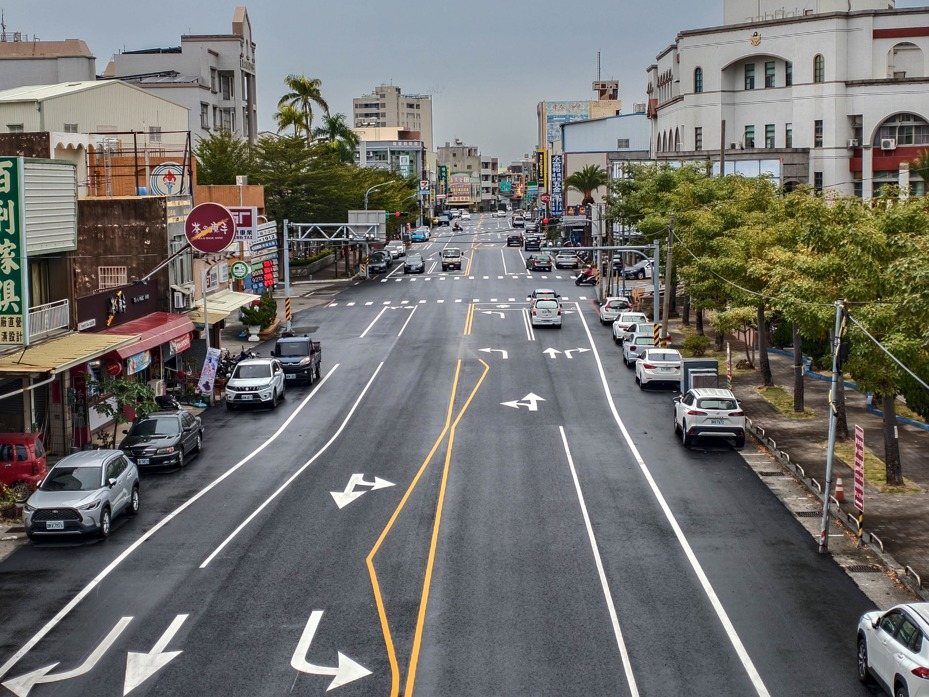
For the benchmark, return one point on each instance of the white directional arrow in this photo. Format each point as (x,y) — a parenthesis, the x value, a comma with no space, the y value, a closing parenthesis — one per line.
(503,354)
(552,352)
(502,307)
(577,350)
(343,498)
(530,400)
(491,312)
(141,666)
(347,670)
(24,683)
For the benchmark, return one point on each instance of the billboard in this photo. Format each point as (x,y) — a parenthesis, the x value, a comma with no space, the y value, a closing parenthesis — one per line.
(558,113)
(557,185)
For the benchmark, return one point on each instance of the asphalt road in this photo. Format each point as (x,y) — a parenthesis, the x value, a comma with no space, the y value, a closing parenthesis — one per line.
(562,544)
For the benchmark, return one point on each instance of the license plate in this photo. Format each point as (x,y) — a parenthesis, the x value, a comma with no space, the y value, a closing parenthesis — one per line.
(143,461)
(55,525)
(290,376)
(717,422)
(666,370)
(246,396)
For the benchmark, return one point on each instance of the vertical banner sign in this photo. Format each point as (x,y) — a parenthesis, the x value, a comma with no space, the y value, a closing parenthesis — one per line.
(13,296)
(556,182)
(859,479)
(208,372)
(729,364)
(542,161)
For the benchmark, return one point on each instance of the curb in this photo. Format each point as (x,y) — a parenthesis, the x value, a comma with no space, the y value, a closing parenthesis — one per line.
(904,573)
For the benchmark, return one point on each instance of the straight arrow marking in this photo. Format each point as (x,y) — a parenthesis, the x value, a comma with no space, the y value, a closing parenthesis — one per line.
(347,669)
(141,666)
(552,352)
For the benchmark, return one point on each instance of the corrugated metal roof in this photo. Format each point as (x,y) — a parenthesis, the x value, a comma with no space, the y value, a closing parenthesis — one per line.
(58,355)
(153,329)
(37,93)
(221,305)
(69,48)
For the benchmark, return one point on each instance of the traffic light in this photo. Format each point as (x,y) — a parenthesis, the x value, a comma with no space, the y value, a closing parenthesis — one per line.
(397,214)
(544,221)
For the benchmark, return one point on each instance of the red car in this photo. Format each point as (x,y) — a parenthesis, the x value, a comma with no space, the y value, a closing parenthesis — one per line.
(22,463)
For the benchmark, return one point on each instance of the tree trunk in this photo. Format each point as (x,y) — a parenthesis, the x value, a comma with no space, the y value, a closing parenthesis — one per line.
(764,363)
(698,322)
(891,445)
(719,339)
(685,312)
(798,371)
(841,415)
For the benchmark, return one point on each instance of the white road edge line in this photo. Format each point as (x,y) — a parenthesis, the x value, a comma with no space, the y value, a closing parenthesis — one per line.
(503,257)
(721,613)
(415,307)
(85,591)
(296,474)
(373,322)
(604,584)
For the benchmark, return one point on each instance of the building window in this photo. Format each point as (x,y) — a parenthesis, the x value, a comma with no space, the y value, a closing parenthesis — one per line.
(214,77)
(204,116)
(698,138)
(818,181)
(819,68)
(154,134)
(749,140)
(622,143)
(769,136)
(227,85)
(818,133)
(788,73)
(749,76)
(111,277)
(698,80)
(14,127)
(769,74)
(70,128)
(217,122)
(789,135)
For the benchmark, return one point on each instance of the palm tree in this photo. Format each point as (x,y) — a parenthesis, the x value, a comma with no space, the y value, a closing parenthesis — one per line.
(338,134)
(921,167)
(304,93)
(290,116)
(586,181)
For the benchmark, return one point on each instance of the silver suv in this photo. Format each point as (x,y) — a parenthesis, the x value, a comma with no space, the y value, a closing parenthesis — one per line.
(255,381)
(82,494)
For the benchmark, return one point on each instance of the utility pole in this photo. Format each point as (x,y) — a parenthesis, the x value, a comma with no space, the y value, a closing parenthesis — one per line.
(666,305)
(830,448)
(722,148)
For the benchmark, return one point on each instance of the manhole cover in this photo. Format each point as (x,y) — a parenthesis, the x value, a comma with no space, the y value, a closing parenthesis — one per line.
(772,473)
(863,568)
(808,514)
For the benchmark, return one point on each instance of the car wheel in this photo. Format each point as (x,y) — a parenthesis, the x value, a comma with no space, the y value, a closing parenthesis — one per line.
(641,275)
(180,457)
(20,491)
(106,521)
(740,443)
(864,672)
(901,691)
(134,502)
(229,406)
(199,446)
(616,340)
(677,429)
(685,439)
(274,399)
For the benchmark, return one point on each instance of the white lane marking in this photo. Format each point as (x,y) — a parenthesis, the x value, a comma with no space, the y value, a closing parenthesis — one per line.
(511,300)
(604,584)
(96,580)
(415,307)
(583,297)
(440,301)
(427,278)
(369,303)
(423,302)
(457,300)
(373,322)
(332,305)
(559,277)
(399,266)
(141,666)
(530,335)
(383,280)
(493,300)
(413,280)
(432,268)
(443,278)
(397,280)
(503,257)
(350,305)
(404,302)
(386,302)
(486,277)
(282,487)
(721,613)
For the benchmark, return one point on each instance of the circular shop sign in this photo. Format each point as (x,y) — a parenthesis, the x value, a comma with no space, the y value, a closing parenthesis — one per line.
(240,270)
(166,178)
(210,228)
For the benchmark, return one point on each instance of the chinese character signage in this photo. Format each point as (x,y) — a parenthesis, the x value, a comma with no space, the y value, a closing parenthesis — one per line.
(13,300)
(210,228)
(246,220)
(557,186)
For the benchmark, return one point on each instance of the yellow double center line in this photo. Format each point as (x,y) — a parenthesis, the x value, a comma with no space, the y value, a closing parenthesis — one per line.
(448,429)
(469,319)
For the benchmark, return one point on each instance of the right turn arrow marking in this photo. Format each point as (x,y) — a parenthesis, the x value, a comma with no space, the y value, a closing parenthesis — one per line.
(141,666)
(347,671)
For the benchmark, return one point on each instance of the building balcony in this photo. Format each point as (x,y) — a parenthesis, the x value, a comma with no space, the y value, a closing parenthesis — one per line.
(49,318)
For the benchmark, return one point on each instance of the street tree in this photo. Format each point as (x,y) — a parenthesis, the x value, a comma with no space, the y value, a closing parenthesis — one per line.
(220,157)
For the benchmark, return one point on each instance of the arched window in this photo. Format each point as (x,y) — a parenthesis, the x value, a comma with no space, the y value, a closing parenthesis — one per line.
(819,68)
(904,130)
(698,80)
(658,143)
(677,140)
(905,60)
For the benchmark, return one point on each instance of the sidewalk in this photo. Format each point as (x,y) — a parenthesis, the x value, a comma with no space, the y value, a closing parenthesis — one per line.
(900,520)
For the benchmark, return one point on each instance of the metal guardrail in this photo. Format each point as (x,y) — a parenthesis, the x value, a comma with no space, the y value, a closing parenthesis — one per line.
(48,318)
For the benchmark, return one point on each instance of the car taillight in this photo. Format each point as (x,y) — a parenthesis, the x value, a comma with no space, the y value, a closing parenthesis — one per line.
(921,672)
(696,412)
(648,366)
(632,349)
(737,413)
(534,312)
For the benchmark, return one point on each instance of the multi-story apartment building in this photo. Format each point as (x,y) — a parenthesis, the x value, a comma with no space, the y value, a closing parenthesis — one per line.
(463,166)
(391,149)
(551,115)
(490,182)
(830,93)
(387,106)
(25,61)
(213,75)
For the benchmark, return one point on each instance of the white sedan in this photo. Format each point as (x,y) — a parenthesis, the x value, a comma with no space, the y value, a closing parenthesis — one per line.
(658,365)
(466,216)
(893,650)
(624,321)
(635,347)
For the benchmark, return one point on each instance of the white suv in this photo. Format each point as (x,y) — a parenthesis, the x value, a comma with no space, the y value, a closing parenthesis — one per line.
(892,648)
(255,381)
(710,412)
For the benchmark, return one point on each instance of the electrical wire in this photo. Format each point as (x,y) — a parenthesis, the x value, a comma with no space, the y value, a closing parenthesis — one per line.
(889,354)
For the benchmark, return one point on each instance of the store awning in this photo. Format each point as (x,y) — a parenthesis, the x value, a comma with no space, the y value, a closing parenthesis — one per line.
(63,353)
(221,305)
(153,330)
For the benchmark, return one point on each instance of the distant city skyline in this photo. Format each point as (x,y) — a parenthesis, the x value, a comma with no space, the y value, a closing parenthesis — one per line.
(485,64)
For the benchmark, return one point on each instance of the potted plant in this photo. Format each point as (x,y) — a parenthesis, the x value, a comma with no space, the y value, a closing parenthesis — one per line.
(259,317)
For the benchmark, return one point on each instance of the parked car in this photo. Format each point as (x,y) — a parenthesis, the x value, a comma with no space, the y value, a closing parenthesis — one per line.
(300,357)
(379,262)
(514,241)
(642,269)
(893,650)
(624,321)
(545,312)
(711,412)
(532,243)
(163,439)
(538,262)
(414,264)
(612,307)
(451,258)
(396,248)
(255,381)
(635,347)
(82,494)
(566,260)
(658,365)
(22,463)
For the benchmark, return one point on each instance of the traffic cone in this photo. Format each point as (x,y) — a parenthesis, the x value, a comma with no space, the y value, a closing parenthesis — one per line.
(839,490)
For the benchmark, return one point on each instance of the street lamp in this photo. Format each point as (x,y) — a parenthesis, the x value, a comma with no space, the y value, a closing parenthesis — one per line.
(376,186)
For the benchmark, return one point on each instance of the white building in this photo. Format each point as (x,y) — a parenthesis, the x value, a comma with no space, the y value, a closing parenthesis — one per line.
(25,61)
(388,106)
(490,183)
(830,93)
(213,75)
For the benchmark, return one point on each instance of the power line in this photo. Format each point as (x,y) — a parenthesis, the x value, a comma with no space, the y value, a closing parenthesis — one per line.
(888,353)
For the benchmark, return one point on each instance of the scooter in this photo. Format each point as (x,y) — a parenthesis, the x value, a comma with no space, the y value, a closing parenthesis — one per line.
(582,280)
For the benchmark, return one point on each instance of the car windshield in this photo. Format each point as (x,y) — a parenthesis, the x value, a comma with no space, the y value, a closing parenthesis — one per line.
(644,341)
(72,479)
(664,356)
(252,370)
(547,304)
(156,426)
(292,348)
(451,253)
(414,259)
(717,403)
(632,318)
(617,304)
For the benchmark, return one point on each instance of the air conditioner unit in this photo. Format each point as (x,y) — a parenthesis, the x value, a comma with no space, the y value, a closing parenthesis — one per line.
(852,143)
(180,301)
(888,143)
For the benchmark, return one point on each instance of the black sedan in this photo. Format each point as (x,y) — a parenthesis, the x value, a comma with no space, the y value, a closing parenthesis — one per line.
(538,262)
(514,241)
(163,439)
(414,264)
(379,262)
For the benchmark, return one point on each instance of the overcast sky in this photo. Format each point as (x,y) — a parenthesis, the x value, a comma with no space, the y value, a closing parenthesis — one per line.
(486,63)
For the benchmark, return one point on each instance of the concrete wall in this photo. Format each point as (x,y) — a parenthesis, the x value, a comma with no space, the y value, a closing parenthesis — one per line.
(45,71)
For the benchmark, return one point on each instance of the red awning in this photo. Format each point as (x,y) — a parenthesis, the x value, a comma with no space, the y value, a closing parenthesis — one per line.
(154,329)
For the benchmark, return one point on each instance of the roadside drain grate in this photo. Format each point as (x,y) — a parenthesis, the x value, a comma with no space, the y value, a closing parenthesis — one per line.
(863,568)
(771,473)
(808,514)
